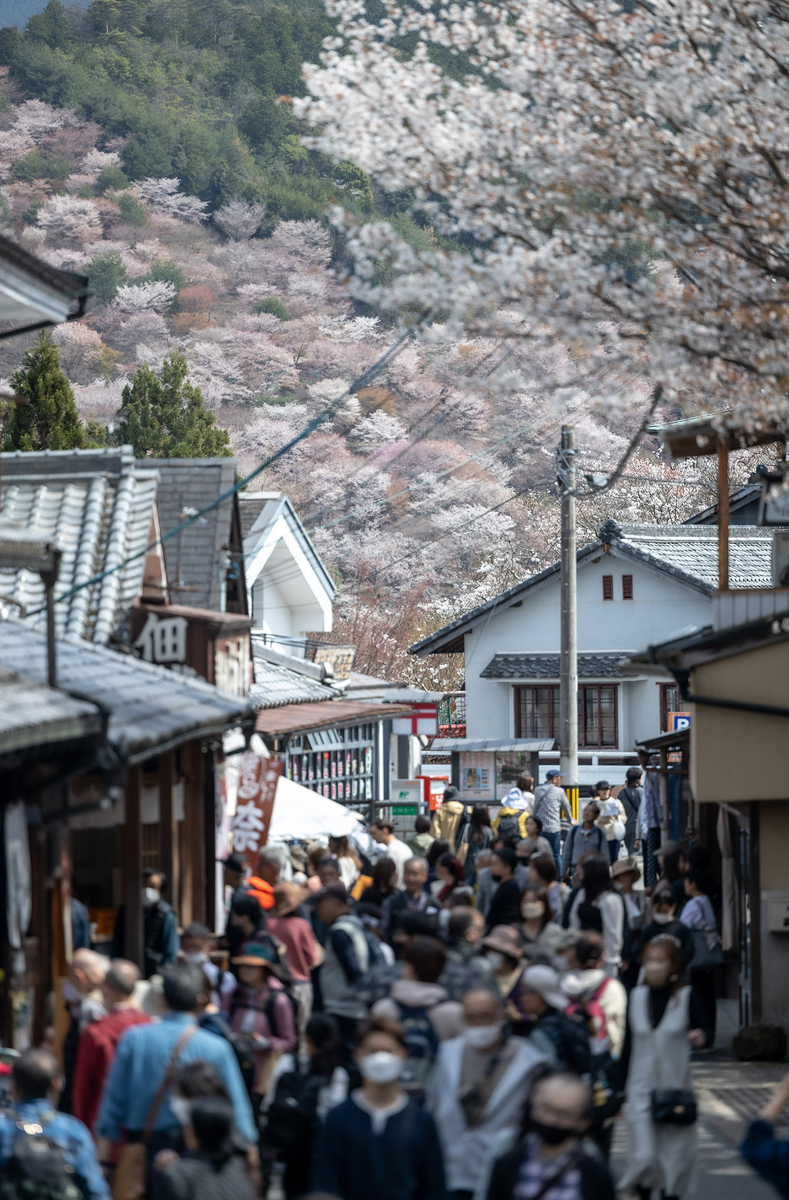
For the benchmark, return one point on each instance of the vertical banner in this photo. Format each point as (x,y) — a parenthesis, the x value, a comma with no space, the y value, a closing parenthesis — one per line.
(257,784)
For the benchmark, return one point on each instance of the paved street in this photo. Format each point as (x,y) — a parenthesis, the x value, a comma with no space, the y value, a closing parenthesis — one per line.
(730,1094)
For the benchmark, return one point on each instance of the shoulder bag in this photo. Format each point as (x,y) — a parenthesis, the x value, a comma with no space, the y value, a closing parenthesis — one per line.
(704,958)
(129,1181)
(670,1106)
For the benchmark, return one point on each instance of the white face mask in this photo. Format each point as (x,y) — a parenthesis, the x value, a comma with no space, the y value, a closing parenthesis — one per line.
(381,1067)
(483,1036)
(182,1110)
(560,963)
(531,910)
(495,959)
(662,918)
(150,896)
(196,958)
(71,994)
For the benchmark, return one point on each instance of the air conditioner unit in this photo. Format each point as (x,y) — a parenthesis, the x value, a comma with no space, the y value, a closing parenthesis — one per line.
(781,558)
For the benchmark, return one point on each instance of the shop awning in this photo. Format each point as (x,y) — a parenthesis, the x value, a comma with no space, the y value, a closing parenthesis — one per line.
(666,741)
(499,745)
(150,709)
(301,813)
(325,714)
(33,715)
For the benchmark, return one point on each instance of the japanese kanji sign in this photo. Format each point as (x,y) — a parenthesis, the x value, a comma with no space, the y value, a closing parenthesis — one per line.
(257,783)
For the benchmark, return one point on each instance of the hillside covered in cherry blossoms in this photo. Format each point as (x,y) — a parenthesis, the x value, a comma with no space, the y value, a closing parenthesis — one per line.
(428,490)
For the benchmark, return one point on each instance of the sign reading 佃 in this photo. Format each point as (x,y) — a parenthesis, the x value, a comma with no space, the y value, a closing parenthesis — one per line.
(257,784)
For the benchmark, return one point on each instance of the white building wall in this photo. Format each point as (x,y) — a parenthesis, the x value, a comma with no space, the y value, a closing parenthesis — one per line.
(660,608)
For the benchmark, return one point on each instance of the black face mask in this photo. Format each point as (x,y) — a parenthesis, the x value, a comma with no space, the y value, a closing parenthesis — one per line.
(552,1135)
(496,878)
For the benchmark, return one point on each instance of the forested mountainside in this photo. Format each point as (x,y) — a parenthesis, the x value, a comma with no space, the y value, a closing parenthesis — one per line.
(146,143)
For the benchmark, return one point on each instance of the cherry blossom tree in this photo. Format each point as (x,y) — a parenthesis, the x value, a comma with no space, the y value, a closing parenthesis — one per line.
(164,197)
(144,297)
(621,173)
(70,218)
(239,220)
(79,349)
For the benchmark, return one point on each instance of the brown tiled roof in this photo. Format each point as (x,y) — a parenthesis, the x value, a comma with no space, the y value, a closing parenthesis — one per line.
(297,718)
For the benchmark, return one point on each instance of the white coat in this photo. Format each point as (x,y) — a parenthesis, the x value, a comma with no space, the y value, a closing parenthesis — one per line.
(466,1149)
(659,1156)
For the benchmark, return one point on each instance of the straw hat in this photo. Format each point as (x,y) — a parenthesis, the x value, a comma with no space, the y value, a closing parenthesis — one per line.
(626,866)
(287,898)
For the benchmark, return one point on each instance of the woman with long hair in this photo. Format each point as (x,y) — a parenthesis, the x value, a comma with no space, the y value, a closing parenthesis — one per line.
(543,874)
(596,905)
(450,875)
(666,1021)
(537,925)
(440,846)
(383,884)
(476,837)
(348,861)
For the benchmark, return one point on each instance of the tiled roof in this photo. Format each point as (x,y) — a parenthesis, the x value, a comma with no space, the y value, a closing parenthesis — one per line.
(693,549)
(298,718)
(97,505)
(546,666)
(149,707)
(196,559)
(33,715)
(276,685)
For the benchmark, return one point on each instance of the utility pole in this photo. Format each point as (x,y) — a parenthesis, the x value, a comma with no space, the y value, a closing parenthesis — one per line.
(568,670)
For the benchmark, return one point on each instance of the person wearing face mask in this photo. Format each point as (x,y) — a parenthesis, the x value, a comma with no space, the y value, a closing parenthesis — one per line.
(160,927)
(537,929)
(503,950)
(666,1021)
(196,944)
(664,920)
(379,1142)
(505,905)
(563,1040)
(82,992)
(478,1089)
(552,1159)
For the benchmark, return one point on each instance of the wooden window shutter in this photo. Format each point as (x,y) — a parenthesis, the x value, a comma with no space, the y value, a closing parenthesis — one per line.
(608,587)
(627,587)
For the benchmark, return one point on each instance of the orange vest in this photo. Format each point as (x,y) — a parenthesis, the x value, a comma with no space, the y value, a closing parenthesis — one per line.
(262,891)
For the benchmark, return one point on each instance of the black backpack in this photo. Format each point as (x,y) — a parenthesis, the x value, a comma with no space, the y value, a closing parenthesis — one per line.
(422,1044)
(509,827)
(293,1115)
(37,1168)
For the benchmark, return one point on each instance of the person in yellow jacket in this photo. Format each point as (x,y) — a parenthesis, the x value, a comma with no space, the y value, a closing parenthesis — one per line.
(449,819)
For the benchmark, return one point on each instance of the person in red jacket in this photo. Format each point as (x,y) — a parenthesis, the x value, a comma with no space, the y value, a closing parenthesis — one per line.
(99,1041)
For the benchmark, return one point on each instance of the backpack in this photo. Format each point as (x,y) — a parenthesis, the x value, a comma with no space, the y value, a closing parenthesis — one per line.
(607,1095)
(244,1044)
(422,1044)
(509,827)
(293,1114)
(37,1168)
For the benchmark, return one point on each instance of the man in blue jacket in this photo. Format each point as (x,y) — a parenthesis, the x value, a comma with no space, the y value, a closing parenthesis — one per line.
(36,1077)
(143,1056)
(379,1142)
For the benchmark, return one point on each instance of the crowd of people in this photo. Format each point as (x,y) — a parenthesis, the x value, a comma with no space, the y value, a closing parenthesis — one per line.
(458,1014)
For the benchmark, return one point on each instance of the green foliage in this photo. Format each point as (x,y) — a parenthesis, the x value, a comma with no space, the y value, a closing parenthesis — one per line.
(49,420)
(35,166)
(111,178)
(97,435)
(106,274)
(164,270)
(166,418)
(270,304)
(357,182)
(50,27)
(10,41)
(131,210)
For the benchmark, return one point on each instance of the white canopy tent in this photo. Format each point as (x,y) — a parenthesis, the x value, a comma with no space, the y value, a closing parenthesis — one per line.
(301,813)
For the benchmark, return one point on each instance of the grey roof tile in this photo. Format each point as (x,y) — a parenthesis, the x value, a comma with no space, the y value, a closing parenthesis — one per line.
(196,558)
(148,706)
(97,505)
(693,549)
(546,666)
(33,715)
(277,685)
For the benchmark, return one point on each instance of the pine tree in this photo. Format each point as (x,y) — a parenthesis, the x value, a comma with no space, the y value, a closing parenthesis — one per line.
(49,420)
(166,417)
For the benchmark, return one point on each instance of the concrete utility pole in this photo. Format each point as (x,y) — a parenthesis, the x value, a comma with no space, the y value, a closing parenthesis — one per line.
(568,670)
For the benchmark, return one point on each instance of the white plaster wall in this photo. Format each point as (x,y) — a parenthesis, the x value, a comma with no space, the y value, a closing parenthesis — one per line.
(660,608)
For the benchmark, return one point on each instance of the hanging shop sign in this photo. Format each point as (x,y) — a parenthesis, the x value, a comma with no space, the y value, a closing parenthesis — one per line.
(257,785)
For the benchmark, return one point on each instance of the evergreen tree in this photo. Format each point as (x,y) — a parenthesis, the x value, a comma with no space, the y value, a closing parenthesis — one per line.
(166,417)
(49,420)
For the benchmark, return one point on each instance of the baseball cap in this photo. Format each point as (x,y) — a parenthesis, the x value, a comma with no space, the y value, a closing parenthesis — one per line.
(554,773)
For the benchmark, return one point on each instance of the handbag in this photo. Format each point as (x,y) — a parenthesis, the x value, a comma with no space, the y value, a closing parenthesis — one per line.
(704,958)
(673,1106)
(129,1181)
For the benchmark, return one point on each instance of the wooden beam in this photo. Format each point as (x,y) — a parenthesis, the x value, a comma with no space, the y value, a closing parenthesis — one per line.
(197,800)
(723,516)
(168,829)
(132,871)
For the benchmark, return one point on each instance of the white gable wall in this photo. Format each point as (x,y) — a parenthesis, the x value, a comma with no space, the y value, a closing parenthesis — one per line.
(660,608)
(287,596)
